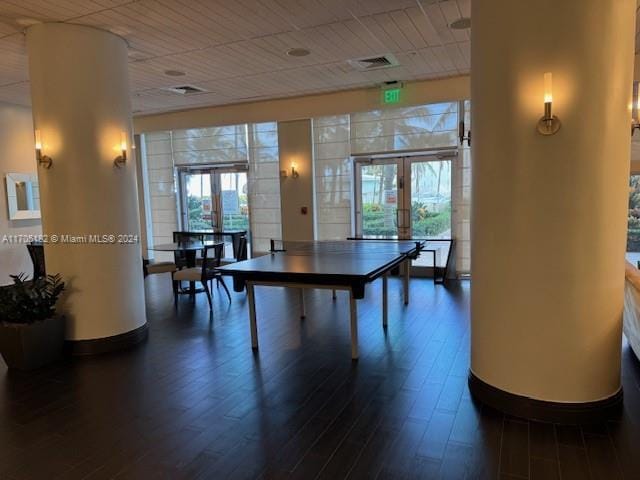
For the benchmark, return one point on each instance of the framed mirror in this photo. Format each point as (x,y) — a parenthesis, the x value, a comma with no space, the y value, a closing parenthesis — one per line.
(23,196)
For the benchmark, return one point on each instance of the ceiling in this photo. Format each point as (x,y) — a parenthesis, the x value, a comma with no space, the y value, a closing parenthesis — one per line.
(236,49)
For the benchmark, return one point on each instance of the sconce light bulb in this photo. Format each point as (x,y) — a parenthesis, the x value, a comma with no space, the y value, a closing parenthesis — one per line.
(294,172)
(549,124)
(120,160)
(548,88)
(38,140)
(123,141)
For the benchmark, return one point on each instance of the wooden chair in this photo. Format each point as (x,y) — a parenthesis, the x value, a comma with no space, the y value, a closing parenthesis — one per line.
(153,268)
(204,274)
(180,257)
(239,251)
(36,252)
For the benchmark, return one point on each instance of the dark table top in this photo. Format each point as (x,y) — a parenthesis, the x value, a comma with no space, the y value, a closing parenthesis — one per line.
(331,258)
(183,246)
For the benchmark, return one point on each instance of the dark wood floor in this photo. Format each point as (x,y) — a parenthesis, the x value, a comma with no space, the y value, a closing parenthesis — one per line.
(195,402)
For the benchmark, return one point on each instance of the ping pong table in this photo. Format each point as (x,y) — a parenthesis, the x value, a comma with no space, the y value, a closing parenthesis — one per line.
(336,265)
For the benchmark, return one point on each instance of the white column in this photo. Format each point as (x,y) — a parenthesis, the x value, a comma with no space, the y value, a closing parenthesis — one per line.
(80,96)
(549,212)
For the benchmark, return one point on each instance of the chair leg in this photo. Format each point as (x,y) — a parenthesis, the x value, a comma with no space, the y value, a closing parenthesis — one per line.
(175,292)
(221,280)
(206,290)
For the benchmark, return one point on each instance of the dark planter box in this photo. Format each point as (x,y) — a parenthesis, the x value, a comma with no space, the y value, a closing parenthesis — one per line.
(30,346)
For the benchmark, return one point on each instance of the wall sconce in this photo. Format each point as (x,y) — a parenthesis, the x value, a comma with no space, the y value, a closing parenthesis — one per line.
(549,124)
(294,172)
(635,108)
(121,159)
(43,160)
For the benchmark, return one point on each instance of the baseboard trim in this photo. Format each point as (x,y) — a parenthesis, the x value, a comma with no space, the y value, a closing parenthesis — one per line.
(540,410)
(96,346)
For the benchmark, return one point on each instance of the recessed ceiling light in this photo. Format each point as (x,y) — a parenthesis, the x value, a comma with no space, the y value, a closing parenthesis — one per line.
(27,22)
(174,73)
(298,52)
(461,24)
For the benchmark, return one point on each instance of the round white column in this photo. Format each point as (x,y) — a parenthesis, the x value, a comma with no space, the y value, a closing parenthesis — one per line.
(549,212)
(80,97)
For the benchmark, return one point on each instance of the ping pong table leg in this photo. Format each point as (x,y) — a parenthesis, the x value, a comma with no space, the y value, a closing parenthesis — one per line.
(252,315)
(303,312)
(384,300)
(333,294)
(354,326)
(407,272)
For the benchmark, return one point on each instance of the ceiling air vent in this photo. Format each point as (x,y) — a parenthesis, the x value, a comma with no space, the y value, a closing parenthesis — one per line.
(185,89)
(374,63)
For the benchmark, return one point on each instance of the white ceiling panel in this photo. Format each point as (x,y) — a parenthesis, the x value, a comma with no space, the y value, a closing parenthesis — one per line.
(236,49)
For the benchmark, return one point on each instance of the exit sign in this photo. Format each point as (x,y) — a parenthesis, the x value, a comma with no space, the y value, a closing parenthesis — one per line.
(391,95)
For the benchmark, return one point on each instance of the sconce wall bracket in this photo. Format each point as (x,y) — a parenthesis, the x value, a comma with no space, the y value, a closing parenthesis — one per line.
(120,161)
(548,125)
(45,161)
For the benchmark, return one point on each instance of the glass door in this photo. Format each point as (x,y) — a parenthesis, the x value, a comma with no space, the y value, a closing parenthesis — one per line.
(197,205)
(215,199)
(430,197)
(234,205)
(379,198)
(406,197)
(429,194)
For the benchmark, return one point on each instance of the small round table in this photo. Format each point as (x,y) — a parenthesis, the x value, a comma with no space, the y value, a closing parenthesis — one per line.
(190,249)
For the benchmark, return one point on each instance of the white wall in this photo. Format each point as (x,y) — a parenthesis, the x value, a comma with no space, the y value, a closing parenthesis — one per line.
(309,106)
(17,155)
(294,145)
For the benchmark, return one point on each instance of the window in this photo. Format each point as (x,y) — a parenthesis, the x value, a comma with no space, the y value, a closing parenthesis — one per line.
(633,230)
(229,179)
(440,199)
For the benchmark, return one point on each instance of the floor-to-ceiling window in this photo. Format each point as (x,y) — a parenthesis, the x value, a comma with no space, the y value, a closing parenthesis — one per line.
(394,172)
(215,178)
(215,198)
(633,219)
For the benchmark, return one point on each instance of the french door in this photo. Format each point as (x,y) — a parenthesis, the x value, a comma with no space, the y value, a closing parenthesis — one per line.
(404,197)
(214,198)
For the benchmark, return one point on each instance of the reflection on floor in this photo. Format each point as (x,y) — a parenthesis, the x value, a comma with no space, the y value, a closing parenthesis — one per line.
(195,402)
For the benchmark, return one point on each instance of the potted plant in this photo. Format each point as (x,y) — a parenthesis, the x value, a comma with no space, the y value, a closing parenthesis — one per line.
(31,334)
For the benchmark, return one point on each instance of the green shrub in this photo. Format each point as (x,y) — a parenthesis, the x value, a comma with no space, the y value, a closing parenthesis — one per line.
(424,222)
(28,302)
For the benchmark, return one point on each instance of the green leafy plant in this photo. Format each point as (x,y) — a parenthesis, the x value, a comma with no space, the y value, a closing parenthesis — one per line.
(30,301)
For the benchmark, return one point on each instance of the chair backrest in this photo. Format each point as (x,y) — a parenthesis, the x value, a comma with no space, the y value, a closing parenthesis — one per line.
(211,260)
(188,237)
(242,249)
(213,237)
(179,256)
(36,252)
(276,246)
